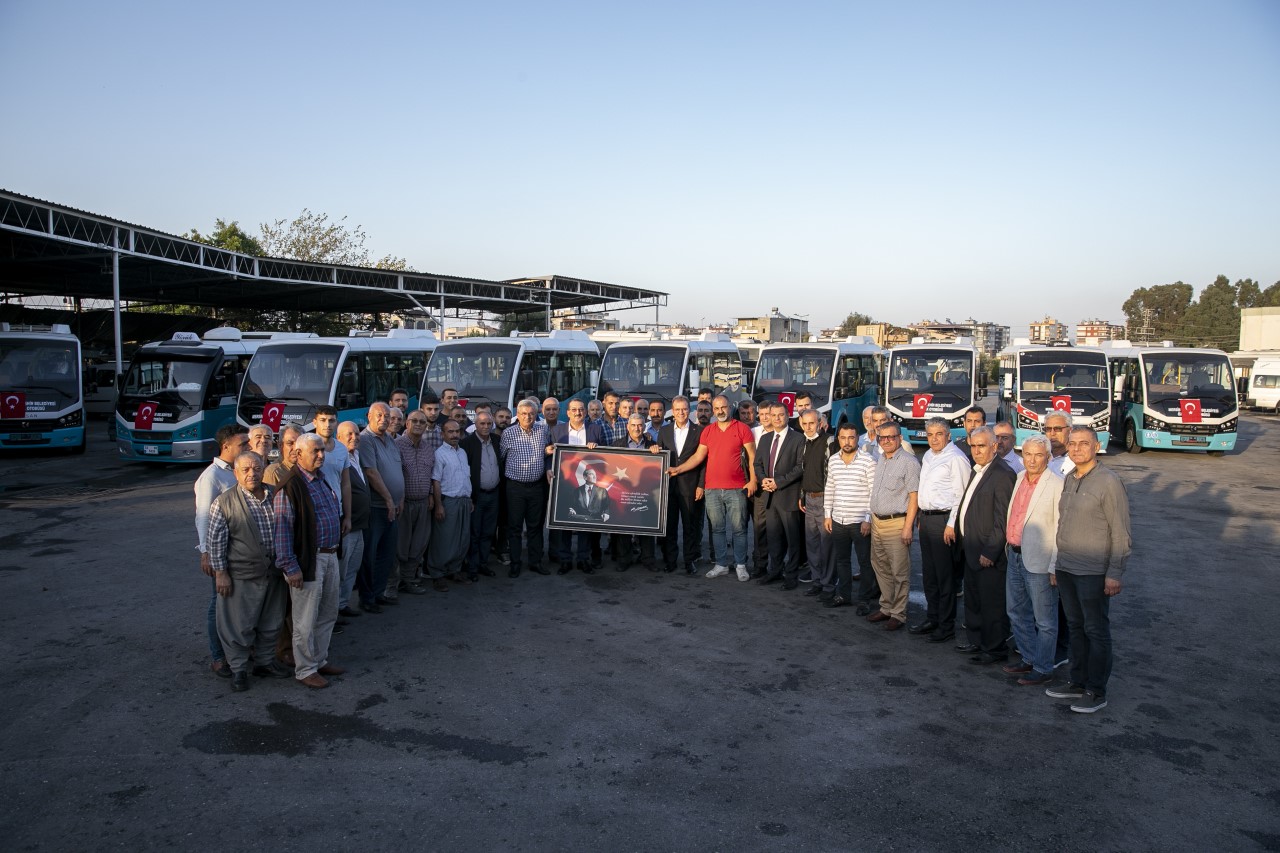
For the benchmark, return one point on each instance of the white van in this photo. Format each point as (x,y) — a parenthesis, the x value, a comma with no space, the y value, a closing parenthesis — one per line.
(1264,385)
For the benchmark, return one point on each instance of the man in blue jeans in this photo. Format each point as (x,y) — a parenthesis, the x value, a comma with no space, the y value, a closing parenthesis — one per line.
(1093,549)
(1031,534)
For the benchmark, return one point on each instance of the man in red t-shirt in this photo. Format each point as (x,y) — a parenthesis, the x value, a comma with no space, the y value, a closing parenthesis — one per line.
(721,445)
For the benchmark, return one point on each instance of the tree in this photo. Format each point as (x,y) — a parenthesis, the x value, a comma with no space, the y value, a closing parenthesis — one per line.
(1247,293)
(1212,320)
(228,236)
(1269,298)
(312,237)
(851,324)
(534,321)
(1167,303)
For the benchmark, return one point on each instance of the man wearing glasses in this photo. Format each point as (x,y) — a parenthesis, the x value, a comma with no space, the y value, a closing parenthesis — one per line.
(1056,426)
(894,499)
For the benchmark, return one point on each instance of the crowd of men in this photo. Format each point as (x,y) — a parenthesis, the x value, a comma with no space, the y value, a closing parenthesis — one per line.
(421,500)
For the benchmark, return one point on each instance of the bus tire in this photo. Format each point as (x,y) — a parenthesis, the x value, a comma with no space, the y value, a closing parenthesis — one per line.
(79,449)
(1131,438)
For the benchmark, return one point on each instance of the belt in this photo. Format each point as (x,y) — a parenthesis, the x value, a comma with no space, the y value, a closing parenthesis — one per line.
(935,511)
(488,491)
(890,516)
(418,500)
(814,494)
(525,482)
(326,550)
(1017,549)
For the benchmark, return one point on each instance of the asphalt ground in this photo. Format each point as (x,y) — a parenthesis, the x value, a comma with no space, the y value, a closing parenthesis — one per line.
(627,711)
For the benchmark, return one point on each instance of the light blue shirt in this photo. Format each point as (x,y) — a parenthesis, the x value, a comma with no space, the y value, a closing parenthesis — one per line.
(453,472)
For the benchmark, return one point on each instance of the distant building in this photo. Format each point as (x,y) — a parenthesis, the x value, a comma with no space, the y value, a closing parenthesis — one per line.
(1048,331)
(988,338)
(452,333)
(574,321)
(1093,332)
(885,335)
(1260,329)
(772,328)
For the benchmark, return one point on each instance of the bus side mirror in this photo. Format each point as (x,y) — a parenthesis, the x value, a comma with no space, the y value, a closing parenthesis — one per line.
(980,392)
(595,384)
(693,382)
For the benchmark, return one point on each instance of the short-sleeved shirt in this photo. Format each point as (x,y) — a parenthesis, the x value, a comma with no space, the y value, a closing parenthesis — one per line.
(896,478)
(452,471)
(379,453)
(724,454)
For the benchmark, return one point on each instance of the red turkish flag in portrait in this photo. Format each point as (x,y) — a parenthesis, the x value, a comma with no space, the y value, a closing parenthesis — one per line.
(272,413)
(146,415)
(1061,403)
(920,405)
(1190,410)
(788,399)
(13,405)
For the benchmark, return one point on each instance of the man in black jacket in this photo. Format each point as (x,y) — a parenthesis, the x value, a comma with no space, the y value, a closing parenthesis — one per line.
(779,466)
(486,485)
(684,492)
(983,512)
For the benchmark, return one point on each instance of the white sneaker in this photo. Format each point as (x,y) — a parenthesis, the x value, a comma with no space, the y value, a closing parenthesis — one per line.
(743,574)
(718,571)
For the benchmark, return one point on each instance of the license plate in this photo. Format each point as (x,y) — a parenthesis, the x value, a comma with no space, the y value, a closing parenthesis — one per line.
(1191,440)
(919,434)
(26,436)
(151,449)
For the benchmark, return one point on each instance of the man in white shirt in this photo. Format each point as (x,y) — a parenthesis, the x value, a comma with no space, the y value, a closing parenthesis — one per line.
(1005,440)
(1056,427)
(944,474)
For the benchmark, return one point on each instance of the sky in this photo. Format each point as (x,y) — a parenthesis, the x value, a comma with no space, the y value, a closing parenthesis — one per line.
(994,160)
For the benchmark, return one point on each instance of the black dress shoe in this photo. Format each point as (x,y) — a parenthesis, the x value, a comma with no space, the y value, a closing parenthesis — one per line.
(273,670)
(621,567)
(240,681)
(838,601)
(937,637)
(787,586)
(514,572)
(564,569)
(371,607)
(690,569)
(487,572)
(587,568)
(827,596)
(384,601)
(542,570)
(337,629)
(864,608)
(988,658)
(966,648)
(813,590)
(768,579)
(349,612)
(759,573)
(923,628)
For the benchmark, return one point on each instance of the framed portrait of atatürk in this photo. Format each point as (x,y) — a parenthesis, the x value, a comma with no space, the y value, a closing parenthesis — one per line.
(608,490)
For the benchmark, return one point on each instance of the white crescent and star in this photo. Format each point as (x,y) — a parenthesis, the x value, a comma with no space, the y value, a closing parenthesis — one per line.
(1061,405)
(1189,407)
(12,400)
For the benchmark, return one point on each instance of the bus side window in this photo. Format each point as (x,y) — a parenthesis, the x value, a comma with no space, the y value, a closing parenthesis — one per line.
(350,391)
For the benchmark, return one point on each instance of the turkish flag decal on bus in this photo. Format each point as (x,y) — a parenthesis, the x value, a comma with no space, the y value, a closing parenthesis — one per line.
(920,405)
(1190,410)
(13,405)
(1061,403)
(462,401)
(272,413)
(788,399)
(146,415)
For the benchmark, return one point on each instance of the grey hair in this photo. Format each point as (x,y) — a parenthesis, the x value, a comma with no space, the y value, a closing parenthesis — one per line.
(1063,415)
(879,410)
(256,428)
(1090,431)
(1040,441)
(682,398)
(379,405)
(982,430)
(937,421)
(527,404)
(288,428)
(636,416)
(351,425)
(253,455)
(309,439)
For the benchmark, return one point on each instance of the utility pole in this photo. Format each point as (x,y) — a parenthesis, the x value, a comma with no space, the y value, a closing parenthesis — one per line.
(1147,330)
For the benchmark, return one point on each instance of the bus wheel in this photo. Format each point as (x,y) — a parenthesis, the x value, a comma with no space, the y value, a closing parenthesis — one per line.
(79,449)
(1131,438)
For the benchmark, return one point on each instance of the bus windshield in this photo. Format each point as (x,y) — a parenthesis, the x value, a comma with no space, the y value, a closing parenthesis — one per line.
(1204,376)
(179,382)
(795,370)
(47,372)
(642,371)
(947,374)
(479,372)
(299,373)
(1046,375)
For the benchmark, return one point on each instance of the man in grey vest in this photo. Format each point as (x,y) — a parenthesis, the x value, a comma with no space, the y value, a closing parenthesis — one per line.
(251,592)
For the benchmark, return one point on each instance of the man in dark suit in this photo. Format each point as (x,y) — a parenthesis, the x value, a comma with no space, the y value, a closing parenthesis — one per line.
(779,466)
(481,448)
(591,503)
(577,432)
(684,495)
(983,512)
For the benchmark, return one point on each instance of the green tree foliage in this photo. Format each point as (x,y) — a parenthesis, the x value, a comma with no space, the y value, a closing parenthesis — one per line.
(227,235)
(535,321)
(1167,302)
(1213,320)
(1269,298)
(852,322)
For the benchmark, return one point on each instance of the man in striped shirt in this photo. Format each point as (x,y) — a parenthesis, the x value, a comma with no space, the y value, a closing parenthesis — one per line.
(846,506)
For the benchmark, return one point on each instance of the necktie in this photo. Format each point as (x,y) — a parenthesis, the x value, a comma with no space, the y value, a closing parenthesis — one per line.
(773,452)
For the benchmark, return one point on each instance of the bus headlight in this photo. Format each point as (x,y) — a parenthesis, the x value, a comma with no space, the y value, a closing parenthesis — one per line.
(74,419)
(1150,423)
(957,423)
(1024,422)
(1229,426)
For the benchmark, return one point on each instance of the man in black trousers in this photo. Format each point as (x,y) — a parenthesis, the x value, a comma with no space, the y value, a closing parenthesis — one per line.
(779,467)
(983,512)
(684,495)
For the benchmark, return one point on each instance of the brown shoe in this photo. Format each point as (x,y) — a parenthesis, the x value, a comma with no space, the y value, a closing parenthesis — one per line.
(314,681)
(893,624)
(220,668)
(878,616)
(330,669)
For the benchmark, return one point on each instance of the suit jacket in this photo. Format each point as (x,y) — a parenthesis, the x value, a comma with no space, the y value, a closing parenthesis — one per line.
(470,445)
(594,506)
(1040,529)
(560,435)
(667,441)
(986,514)
(787,470)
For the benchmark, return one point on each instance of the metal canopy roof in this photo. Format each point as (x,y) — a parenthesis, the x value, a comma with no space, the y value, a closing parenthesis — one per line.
(52,250)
